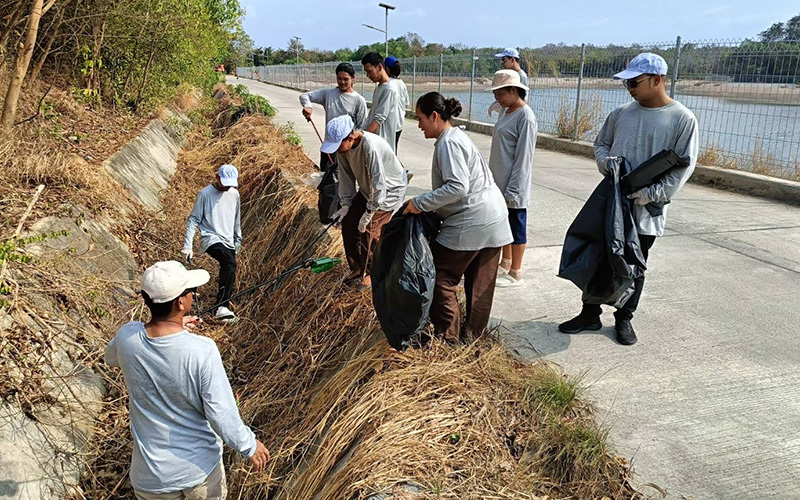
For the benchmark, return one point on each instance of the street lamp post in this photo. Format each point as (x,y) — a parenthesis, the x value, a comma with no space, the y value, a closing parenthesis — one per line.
(297,58)
(385,31)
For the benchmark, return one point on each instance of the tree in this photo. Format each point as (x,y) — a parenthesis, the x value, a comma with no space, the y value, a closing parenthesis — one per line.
(23,60)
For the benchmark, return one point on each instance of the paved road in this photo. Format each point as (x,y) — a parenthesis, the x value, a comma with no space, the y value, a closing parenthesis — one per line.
(707,404)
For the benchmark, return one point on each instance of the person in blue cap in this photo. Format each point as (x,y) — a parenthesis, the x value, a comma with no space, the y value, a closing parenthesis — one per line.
(637,131)
(216,214)
(394,68)
(509,58)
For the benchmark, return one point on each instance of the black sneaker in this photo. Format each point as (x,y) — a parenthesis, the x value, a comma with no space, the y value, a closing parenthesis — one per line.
(580,323)
(625,333)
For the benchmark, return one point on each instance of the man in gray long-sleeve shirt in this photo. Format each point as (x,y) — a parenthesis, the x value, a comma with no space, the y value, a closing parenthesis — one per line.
(181,404)
(338,101)
(216,212)
(387,111)
(637,131)
(372,185)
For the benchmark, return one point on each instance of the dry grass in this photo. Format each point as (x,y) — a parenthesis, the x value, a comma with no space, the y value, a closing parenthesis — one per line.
(757,161)
(589,117)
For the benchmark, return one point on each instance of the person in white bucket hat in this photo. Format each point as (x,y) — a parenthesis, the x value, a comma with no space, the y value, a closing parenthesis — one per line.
(181,404)
(511,163)
(372,185)
(217,214)
(509,58)
(637,131)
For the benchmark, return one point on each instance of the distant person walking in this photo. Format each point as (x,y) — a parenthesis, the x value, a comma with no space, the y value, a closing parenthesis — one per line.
(387,102)
(474,220)
(511,163)
(337,101)
(394,68)
(509,59)
(181,404)
(637,131)
(217,213)
(372,186)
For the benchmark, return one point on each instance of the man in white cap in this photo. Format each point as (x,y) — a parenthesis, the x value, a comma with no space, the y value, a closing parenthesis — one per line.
(181,404)
(216,214)
(637,131)
(509,58)
(372,186)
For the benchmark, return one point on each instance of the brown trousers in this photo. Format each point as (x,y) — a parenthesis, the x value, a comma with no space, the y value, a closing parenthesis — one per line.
(479,269)
(358,247)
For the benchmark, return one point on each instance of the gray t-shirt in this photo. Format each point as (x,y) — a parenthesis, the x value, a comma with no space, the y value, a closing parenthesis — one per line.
(404,100)
(338,103)
(387,106)
(181,404)
(473,212)
(638,133)
(217,214)
(380,176)
(511,159)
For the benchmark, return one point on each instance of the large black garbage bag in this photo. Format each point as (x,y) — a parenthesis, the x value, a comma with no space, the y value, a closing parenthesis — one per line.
(650,172)
(328,190)
(403,277)
(601,252)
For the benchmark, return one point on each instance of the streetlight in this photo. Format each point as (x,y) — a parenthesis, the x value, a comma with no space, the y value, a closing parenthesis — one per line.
(297,60)
(385,31)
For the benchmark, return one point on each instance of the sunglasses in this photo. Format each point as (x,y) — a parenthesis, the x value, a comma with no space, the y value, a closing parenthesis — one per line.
(632,83)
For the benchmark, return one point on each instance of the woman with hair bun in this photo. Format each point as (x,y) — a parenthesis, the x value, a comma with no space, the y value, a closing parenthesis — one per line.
(474,220)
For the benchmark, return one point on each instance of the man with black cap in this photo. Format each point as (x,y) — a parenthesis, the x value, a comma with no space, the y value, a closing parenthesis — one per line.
(337,101)
(182,407)
(637,131)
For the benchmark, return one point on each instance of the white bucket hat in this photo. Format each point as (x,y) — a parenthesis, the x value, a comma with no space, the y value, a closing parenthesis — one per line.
(506,78)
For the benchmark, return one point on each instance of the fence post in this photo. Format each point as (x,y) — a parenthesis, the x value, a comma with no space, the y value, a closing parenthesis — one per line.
(413,83)
(675,65)
(441,68)
(578,96)
(471,86)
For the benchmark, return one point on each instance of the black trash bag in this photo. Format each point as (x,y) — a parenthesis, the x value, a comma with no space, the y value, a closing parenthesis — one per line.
(602,254)
(650,172)
(403,276)
(328,190)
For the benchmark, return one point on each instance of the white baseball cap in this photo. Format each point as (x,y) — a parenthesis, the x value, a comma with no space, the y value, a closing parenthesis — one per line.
(335,132)
(228,176)
(509,52)
(645,63)
(166,281)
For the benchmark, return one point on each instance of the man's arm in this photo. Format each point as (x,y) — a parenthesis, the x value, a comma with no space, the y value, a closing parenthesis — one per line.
(360,118)
(455,177)
(237,227)
(317,97)
(603,143)
(377,177)
(382,108)
(193,221)
(110,356)
(347,182)
(220,407)
(687,146)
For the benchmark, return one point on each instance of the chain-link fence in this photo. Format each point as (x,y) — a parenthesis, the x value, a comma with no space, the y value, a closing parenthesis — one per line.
(746,94)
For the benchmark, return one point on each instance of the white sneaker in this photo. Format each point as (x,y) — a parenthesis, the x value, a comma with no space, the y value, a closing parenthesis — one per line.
(224,313)
(506,281)
(501,271)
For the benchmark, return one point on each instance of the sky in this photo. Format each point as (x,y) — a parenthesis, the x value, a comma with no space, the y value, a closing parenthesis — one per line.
(330,25)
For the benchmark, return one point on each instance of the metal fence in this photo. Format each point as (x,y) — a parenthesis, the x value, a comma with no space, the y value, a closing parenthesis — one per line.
(746,94)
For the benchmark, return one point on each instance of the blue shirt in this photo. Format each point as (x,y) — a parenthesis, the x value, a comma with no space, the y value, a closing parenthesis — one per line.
(181,404)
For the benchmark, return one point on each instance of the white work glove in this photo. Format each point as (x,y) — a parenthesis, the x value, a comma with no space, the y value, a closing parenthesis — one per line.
(340,214)
(364,222)
(495,108)
(237,249)
(602,164)
(639,197)
(187,254)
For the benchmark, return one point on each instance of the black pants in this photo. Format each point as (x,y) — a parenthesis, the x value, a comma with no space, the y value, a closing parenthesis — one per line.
(227,270)
(626,311)
(397,141)
(325,161)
